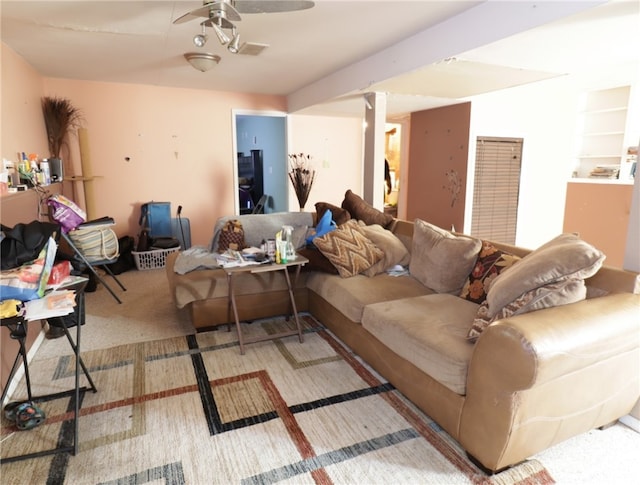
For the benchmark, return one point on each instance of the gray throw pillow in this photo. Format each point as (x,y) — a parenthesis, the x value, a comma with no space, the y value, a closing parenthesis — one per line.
(440,260)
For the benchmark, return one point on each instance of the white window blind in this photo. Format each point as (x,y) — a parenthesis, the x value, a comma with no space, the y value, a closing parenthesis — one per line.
(496,188)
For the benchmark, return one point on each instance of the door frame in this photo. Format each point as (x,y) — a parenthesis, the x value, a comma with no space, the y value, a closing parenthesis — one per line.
(234,117)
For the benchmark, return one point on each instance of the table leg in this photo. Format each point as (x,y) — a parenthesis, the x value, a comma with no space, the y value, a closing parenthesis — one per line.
(232,298)
(19,333)
(293,302)
(25,365)
(76,416)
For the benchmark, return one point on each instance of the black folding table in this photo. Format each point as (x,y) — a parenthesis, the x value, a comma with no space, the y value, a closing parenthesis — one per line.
(18,327)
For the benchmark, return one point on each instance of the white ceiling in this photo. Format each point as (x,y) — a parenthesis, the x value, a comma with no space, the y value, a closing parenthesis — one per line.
(325,57)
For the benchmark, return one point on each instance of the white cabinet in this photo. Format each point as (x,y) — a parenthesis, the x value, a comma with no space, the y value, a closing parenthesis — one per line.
(602,132)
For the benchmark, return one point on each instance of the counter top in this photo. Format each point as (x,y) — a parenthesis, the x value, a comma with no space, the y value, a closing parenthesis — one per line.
(587,180)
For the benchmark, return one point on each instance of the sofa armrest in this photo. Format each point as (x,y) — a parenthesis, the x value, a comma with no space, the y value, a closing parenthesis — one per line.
(536,347)
(537,379)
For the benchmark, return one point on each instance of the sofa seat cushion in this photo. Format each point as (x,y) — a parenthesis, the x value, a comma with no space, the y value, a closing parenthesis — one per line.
(351,295)
(429,331)
(212,283)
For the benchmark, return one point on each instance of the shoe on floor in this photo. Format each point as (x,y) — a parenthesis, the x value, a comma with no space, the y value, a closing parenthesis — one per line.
(28,416)
(54,332)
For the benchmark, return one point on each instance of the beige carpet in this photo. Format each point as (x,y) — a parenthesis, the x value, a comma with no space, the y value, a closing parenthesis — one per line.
(176,407)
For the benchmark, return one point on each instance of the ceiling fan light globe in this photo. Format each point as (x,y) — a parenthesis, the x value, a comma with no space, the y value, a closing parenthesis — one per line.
(200,40)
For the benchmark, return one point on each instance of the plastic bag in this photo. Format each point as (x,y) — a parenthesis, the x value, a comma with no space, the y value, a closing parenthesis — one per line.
(29,281)
(325,224)
(66,212)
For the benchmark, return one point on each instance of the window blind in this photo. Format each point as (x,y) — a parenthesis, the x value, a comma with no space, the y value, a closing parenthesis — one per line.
(496,188)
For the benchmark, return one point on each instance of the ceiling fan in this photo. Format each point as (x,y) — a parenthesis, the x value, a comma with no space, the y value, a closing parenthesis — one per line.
(231,9)
(220,15)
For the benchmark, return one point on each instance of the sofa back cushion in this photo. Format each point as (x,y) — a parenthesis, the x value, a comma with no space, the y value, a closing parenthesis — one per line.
(363,211)
(440,260)
(605,281)
(403,230)
(263,226)
(338,214)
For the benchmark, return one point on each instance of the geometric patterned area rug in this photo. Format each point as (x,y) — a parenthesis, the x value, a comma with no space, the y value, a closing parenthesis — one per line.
(192,410)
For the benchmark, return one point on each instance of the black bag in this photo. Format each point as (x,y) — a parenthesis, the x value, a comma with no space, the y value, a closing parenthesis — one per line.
(125,261)
(23,243)
(164,243)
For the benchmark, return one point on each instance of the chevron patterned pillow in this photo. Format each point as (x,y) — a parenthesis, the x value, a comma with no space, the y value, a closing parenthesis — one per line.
(348,249)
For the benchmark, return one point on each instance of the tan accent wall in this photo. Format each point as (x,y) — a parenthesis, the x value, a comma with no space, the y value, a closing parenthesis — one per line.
(600,214)
(437,166)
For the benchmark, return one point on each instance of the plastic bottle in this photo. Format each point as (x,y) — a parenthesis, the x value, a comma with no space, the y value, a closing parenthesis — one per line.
(281,256)
(287,239)
(46,172)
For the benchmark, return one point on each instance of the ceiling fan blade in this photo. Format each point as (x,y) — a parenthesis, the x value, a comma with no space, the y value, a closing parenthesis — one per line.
(229,12)
(271,6)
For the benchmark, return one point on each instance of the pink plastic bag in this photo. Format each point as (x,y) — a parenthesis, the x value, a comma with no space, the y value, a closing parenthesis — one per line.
(66,212)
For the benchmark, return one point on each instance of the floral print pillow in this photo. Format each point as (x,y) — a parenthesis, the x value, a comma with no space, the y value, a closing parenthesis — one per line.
(490,263)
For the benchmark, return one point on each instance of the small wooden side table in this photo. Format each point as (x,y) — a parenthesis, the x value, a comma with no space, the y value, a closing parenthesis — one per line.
(298,263)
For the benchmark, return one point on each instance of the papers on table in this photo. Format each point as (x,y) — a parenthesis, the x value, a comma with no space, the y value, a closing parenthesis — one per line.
(55,304)
(234,259)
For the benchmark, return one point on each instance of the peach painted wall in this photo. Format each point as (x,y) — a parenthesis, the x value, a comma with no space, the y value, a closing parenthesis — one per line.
(151,143)
(599,212)
(22,127)
(178,143)
(438,152)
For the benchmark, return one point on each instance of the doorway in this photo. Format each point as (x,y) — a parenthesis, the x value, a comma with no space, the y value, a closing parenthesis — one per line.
(261,137)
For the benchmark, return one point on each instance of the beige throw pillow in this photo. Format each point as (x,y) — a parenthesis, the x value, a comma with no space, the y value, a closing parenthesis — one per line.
(565,257)
(348,249)
(553,294)
(440,260)
(394,251)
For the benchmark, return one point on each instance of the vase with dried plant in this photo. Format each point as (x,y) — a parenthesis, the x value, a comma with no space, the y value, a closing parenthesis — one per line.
(302,175)
(61,119)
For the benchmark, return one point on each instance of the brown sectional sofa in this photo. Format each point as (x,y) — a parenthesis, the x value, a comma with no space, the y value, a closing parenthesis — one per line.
(528,382)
